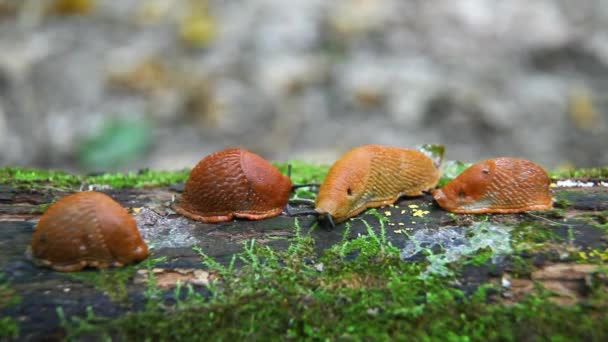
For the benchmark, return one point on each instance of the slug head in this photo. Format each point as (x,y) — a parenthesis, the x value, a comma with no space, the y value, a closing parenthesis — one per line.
(466,192)
(343,192)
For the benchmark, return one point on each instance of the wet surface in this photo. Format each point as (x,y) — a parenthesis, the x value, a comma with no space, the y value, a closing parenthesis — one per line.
(595,199)
(413,225)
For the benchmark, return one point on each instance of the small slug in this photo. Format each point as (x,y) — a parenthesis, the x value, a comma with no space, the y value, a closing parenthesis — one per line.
(372,176)
(234,183)
(86,229)
(501,185)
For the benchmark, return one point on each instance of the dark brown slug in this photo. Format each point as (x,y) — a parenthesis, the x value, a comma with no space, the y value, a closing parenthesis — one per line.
(234,183)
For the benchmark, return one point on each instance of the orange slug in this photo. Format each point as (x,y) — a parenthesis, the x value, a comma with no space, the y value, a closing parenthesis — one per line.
(234,183)
(501,185)
(86,229)
(372,176)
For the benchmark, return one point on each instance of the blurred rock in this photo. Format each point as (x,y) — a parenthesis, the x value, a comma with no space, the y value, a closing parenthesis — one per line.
(306,79)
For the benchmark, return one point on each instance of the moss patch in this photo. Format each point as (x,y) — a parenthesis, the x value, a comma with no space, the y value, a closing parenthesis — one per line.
(24,176)
(302,173)
(595,172)
(358,289)
(596,219)
(112,282)
(530,235)
(9,328)
(36,177)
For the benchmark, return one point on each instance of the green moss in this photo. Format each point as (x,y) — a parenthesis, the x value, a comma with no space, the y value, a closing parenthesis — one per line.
(530,235)
(369,314)
(562,203)
(520,267)
(112,281)
(301,173)
(479,258)
(596,219)
(8,297)
(554,214)
(359,289)
(9,328)
(595,172)
(35,177)
(142,178)
(597,284)
(24,176)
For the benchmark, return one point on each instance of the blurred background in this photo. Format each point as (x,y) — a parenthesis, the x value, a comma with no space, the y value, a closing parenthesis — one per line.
(90,85)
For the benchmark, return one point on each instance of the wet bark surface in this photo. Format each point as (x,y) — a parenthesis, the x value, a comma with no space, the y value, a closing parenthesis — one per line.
(43,291)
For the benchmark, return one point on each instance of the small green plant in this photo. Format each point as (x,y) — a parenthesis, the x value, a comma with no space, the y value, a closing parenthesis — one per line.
(112,282)
(75,326)
(9,327)
(152,293)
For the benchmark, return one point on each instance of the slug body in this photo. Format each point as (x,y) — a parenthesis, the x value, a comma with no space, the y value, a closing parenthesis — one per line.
(501,185)
(372,176)
(234,183)
(86,229)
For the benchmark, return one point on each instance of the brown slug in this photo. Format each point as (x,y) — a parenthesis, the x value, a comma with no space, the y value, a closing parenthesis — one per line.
(234,183)
(501,185)
(86,229)
(372,176)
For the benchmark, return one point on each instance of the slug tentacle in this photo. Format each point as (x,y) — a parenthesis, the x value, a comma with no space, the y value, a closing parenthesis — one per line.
(372,176)
(501,185)
(234,183)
